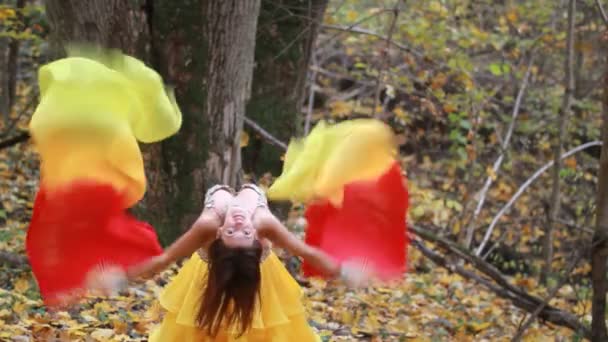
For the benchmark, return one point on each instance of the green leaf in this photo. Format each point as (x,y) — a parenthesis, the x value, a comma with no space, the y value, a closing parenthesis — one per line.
(466,124)
(498,69)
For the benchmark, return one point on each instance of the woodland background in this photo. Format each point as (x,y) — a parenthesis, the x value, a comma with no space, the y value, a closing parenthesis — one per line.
(498,105)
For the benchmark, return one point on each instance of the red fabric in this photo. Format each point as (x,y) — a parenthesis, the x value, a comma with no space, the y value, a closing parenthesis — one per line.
(369,225)
(79,227)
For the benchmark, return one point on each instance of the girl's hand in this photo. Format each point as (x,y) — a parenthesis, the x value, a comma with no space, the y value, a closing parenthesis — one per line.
(356,273)
(108,280)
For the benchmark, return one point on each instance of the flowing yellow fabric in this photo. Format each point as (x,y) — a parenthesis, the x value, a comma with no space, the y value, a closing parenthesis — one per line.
(95,105)
(332,156)
(281,316)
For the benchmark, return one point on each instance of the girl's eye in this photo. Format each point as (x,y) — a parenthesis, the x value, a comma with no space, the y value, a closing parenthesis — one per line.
(248,232)
(229,231)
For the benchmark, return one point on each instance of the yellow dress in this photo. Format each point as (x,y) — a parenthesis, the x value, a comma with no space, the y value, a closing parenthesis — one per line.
(281,317)
(331,156)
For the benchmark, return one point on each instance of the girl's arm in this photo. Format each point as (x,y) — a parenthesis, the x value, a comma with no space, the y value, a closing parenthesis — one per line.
(202,231)
(271,228)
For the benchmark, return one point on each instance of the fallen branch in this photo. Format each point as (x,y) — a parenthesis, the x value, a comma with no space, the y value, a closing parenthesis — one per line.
(520,332)
(12,259)
(498,162)
(501,285)
(269,137)
(524,186)
(24,136)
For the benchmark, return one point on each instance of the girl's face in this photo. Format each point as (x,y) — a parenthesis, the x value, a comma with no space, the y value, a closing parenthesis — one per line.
(238,230)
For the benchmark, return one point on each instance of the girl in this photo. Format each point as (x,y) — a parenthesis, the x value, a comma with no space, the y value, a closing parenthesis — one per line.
(234,287)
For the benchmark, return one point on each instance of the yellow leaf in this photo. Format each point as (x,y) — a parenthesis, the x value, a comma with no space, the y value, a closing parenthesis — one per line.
(7,13)
(352,15)
(449,108)
(20,308)
(512,15)
(340,108)
(400,113)
(418,212)
(244,139)
(490,171)
(102,334)
(347,317)
(22,285)
(477,327)
(120,327)
(456,227)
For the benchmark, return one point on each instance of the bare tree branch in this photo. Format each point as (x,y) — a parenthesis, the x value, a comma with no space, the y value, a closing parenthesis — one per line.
(385,62)
(359,30)
(524,186)
(505,144)
(602,12)
(356,23)
(24,136)
(269,137)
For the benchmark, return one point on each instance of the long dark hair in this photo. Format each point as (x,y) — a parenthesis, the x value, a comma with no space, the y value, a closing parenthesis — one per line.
(233,286)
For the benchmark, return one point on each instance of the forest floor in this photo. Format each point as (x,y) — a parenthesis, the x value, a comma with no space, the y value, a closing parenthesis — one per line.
(430,304)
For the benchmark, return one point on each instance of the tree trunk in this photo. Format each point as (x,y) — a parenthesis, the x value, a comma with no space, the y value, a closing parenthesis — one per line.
(110,23)
(13,62)
(232,29)
(557,149)
(285,37)
(4,103)
(599,250)
(9,54)
(206,50)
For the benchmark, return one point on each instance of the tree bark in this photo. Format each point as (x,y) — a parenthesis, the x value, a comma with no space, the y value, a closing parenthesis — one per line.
(4,107)
(110,23)
(175,167)
(286,34)
(205,49)
(557,149)
(599,250)
(13,61)
(231,28)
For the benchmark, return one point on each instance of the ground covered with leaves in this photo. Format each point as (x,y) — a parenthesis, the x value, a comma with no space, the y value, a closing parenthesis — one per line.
(430,304)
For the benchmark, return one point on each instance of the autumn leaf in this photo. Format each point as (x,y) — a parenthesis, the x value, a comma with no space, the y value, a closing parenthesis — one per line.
(512,15)
(477,327)
(22,285)
(102,335)
(244,139)
(352,15)
(439,81)
(570,163)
